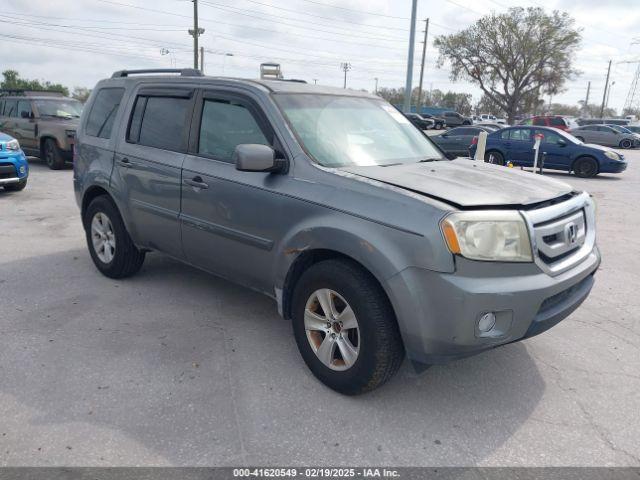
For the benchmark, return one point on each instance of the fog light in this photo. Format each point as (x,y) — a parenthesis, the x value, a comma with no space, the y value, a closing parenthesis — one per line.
(486,322)
(23,170)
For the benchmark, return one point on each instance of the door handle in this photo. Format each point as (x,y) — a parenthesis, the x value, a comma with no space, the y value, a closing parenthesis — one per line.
(196,182)
(124,162)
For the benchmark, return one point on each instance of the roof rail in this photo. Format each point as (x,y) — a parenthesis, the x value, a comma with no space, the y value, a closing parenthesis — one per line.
(184,72)
(21,92)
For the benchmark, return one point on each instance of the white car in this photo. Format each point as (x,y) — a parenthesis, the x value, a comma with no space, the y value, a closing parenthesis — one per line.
(488,118)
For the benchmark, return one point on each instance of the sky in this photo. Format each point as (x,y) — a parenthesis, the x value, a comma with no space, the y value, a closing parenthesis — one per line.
(78,42)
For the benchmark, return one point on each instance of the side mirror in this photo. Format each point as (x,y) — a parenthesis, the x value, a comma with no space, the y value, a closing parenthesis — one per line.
(562,143)
(253,157)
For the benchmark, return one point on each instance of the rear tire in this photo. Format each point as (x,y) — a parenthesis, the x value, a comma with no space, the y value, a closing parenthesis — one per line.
(109,243)
(494,157)
(585,167)
(16,187)
(375,338)
(52,154)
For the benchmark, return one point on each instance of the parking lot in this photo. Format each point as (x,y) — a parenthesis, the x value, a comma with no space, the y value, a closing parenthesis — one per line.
(177,367)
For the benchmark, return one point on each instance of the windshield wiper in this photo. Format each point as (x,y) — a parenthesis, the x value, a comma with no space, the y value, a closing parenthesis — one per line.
(425,160)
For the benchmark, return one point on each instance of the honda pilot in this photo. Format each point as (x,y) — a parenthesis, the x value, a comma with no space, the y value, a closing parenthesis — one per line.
(372,243)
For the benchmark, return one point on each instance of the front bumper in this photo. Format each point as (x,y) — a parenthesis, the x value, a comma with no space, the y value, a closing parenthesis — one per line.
(14,167)
(612,166)
(438,313)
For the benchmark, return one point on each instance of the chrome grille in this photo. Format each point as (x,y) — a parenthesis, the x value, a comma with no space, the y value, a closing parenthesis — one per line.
(562,235)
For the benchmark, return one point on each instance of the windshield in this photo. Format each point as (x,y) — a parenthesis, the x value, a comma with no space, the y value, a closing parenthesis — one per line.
(620,129)
(342,131)
(59,108)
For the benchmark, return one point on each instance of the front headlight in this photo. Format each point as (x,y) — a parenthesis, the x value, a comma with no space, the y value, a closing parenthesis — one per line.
(13,145)
(612,155)
(498,236)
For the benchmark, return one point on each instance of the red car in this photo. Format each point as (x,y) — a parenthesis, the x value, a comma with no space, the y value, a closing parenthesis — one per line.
(555,121)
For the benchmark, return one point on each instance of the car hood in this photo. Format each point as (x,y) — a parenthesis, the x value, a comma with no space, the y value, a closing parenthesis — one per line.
(467,183)
(594,146)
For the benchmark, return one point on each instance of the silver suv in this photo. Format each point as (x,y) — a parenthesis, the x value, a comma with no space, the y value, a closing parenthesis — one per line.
(373,244)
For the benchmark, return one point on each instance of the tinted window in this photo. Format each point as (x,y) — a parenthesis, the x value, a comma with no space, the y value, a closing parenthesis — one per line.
(589,129)
(505,134)
(605,129)
(10,108)
(467,131)
(159,122)
(550,137)
(103,112)
(539,121)
(521,134)
(556,122)
(24,106)
(226,124)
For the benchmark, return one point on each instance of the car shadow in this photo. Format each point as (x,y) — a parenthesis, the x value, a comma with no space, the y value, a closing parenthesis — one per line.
(175,366)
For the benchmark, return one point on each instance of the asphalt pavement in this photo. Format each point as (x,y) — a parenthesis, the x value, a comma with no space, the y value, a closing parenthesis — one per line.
(177,367)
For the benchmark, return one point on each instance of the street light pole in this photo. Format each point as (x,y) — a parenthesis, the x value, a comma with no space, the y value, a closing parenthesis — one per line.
(412,41)
(376,90)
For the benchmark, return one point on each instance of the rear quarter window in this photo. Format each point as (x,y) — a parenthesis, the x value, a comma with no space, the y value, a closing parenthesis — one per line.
(103,112)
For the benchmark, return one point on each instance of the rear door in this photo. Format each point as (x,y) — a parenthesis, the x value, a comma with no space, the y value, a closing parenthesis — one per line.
(230,219)
(148,165)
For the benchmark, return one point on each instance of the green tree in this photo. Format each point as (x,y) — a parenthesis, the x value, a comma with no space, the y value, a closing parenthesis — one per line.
(514,55)
(12,80)
(81,93)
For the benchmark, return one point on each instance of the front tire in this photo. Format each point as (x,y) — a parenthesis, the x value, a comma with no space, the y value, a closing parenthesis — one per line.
(494,157)
(585,167)
(345,327)
(16,187)
(626,143)
(52,154)
(109,243)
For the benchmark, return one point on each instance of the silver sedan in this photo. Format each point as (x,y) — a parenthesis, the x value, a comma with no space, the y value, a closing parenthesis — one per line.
(609,135)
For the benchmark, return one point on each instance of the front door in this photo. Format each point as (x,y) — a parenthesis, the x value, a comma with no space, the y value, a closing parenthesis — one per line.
(230,218)
(148,166)
(25,126)
(555,150)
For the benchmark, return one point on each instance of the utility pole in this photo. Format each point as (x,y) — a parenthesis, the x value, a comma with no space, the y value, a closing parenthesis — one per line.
(604,95)
(376,90)
(586,100)
(345,66)
(424,51)
(195,32)
(202,60)
(412,41)
(606,104)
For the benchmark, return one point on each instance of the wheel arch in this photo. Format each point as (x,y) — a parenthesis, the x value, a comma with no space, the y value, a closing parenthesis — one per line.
(584,155)
(44,138)
(90,194)
(307,259)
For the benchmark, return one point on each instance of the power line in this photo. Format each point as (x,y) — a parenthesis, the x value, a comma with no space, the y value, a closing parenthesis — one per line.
(354,10)
(241,11)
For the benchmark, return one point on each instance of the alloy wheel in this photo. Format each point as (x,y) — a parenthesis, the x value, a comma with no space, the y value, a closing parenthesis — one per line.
(103,237)
(332,329)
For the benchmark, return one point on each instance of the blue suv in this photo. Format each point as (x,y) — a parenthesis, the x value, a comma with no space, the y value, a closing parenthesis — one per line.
(14,168)
(562,151)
